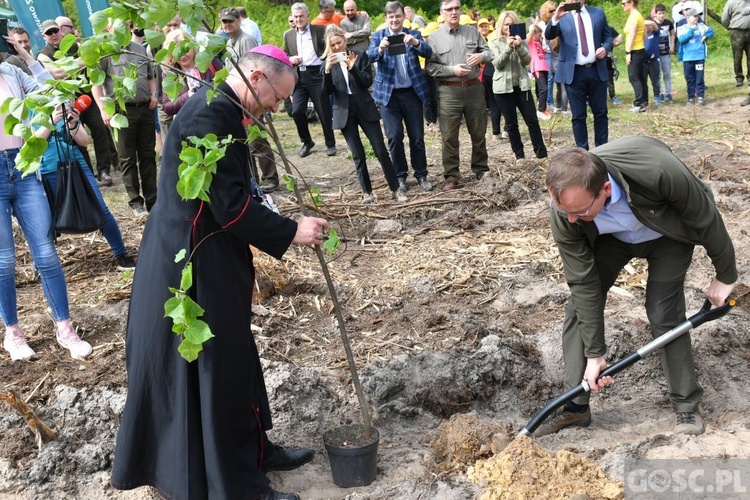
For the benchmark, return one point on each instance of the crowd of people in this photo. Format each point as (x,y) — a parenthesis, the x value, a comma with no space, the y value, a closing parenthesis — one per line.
(454,71)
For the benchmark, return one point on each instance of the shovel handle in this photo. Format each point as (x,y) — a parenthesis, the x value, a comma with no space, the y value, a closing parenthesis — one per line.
(708,314)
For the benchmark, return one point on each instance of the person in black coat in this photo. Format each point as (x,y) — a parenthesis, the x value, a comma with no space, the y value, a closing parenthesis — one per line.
(197,430)
(347,75)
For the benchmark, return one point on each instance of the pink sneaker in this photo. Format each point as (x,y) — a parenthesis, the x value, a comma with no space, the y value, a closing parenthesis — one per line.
(16,345)
(69,339)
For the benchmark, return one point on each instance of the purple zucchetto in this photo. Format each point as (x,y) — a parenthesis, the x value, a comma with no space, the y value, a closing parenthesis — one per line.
(272,51)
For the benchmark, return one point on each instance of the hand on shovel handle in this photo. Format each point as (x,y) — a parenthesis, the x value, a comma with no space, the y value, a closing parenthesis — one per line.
(594,366)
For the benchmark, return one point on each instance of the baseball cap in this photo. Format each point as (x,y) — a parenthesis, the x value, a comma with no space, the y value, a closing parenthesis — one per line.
(465,19)
(690,12)
(230,15)
(49,23)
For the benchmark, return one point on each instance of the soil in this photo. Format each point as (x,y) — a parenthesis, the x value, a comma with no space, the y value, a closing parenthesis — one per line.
(454,305)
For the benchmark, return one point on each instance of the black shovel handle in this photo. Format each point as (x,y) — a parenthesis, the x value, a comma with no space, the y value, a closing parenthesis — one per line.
(706,313)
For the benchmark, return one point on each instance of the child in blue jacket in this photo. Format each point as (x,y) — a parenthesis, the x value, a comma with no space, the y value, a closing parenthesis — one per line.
(692,37)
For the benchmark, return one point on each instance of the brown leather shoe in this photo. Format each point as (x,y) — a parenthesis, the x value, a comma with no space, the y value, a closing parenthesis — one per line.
(562,420)
(450,185)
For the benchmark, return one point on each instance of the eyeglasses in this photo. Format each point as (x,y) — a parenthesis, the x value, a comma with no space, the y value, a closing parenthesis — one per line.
(69,26)
(625,3)
(576,215)
(452,9)
(279,99)
(52,31)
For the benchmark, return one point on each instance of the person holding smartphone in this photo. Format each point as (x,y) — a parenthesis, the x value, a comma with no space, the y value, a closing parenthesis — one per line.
(347,76)
(512,86)
(584,40)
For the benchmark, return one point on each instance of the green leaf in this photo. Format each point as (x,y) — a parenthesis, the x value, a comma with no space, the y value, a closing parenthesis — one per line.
(130,85)
(99,20)
(154,38)
(172,84)
(17,108)
(173,308)
(315,197)
(160,55)
(66,43)
(220,76)
(187,277)
(203,60)
(189,351)
(97,76)
(192,309)
(290,181)
(214,155)
(215,43)
(331,244)
(180,255)
(198,332)
(191,184)
(118,121)
(22,130)
(210,96)
(191,156)
(109,105)
(10,123)
(253,132)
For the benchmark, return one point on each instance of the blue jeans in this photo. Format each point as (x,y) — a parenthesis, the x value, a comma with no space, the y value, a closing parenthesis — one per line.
(24,197)
(696,86)
(405,106)
(110,231)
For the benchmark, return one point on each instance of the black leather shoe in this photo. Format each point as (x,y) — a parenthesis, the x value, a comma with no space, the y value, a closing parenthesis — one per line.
(306,149)
(278,495)
(331,150)
(562,420)
(281,459)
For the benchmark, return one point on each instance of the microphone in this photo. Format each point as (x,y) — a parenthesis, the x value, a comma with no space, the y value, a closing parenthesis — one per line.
(82,103)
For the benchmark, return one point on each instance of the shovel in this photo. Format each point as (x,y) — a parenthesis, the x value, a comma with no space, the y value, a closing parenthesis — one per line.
(705,314)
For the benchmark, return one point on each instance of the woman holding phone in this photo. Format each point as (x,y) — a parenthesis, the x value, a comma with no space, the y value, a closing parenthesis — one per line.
(23,197)
(512,85)
(348,76)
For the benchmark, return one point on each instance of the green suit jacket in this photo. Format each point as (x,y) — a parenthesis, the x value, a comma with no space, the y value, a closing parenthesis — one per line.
(666,197)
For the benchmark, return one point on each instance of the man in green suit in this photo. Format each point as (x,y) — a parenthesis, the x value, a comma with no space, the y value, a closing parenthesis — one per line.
(632,198)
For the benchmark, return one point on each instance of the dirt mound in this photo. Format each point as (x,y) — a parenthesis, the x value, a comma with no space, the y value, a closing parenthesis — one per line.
(526,471)
(465,438)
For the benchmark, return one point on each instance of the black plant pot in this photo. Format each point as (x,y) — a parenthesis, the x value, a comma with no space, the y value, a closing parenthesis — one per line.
(354,460)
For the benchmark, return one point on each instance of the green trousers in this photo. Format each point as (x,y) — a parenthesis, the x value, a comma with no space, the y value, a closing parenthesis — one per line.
(668,262)
(457,104)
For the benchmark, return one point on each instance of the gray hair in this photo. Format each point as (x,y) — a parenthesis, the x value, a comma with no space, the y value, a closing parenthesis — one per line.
(394,6)
(443,2)
(300,6)
(324,4)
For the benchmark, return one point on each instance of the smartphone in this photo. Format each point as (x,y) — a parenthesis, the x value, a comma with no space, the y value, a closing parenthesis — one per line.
(4,45)
(567,7)
(518,29)
(340,57)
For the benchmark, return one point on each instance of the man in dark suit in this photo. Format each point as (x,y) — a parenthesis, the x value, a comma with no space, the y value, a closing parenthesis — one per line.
(401,90)
(305,45)
(585,39)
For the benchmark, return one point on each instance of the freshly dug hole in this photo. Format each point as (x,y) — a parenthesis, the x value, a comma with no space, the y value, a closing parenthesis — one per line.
(525,471)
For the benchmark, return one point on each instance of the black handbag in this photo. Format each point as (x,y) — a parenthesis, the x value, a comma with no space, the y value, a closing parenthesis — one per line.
(77,209)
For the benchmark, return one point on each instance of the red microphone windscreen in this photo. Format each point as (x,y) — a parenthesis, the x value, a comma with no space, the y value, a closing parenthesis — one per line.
(82,103)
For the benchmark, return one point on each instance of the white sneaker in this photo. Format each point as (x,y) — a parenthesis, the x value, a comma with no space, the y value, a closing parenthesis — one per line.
(15,344)
(69,339)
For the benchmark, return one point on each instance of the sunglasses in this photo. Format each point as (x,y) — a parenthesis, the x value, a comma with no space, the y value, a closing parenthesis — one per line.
(52,31)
